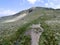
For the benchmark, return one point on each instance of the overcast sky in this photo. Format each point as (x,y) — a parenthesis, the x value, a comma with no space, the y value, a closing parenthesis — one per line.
(9,7)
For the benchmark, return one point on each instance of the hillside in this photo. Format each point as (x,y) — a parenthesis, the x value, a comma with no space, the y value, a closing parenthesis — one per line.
(34,26)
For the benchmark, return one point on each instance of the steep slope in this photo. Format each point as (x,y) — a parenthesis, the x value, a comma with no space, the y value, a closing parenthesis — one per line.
(13,28)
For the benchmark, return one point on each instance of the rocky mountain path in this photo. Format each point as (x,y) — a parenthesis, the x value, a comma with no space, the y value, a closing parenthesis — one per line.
(36,32)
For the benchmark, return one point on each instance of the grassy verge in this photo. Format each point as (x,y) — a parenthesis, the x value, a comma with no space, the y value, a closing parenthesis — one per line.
(48,37)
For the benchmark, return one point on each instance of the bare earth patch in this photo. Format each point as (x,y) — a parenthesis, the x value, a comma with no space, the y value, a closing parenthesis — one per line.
(15,19)
(52,21)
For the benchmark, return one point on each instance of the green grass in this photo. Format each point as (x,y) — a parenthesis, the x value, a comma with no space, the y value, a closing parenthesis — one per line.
(35,17)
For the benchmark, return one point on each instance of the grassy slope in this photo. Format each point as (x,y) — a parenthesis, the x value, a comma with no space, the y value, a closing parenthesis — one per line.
(38,15)
(10,28)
